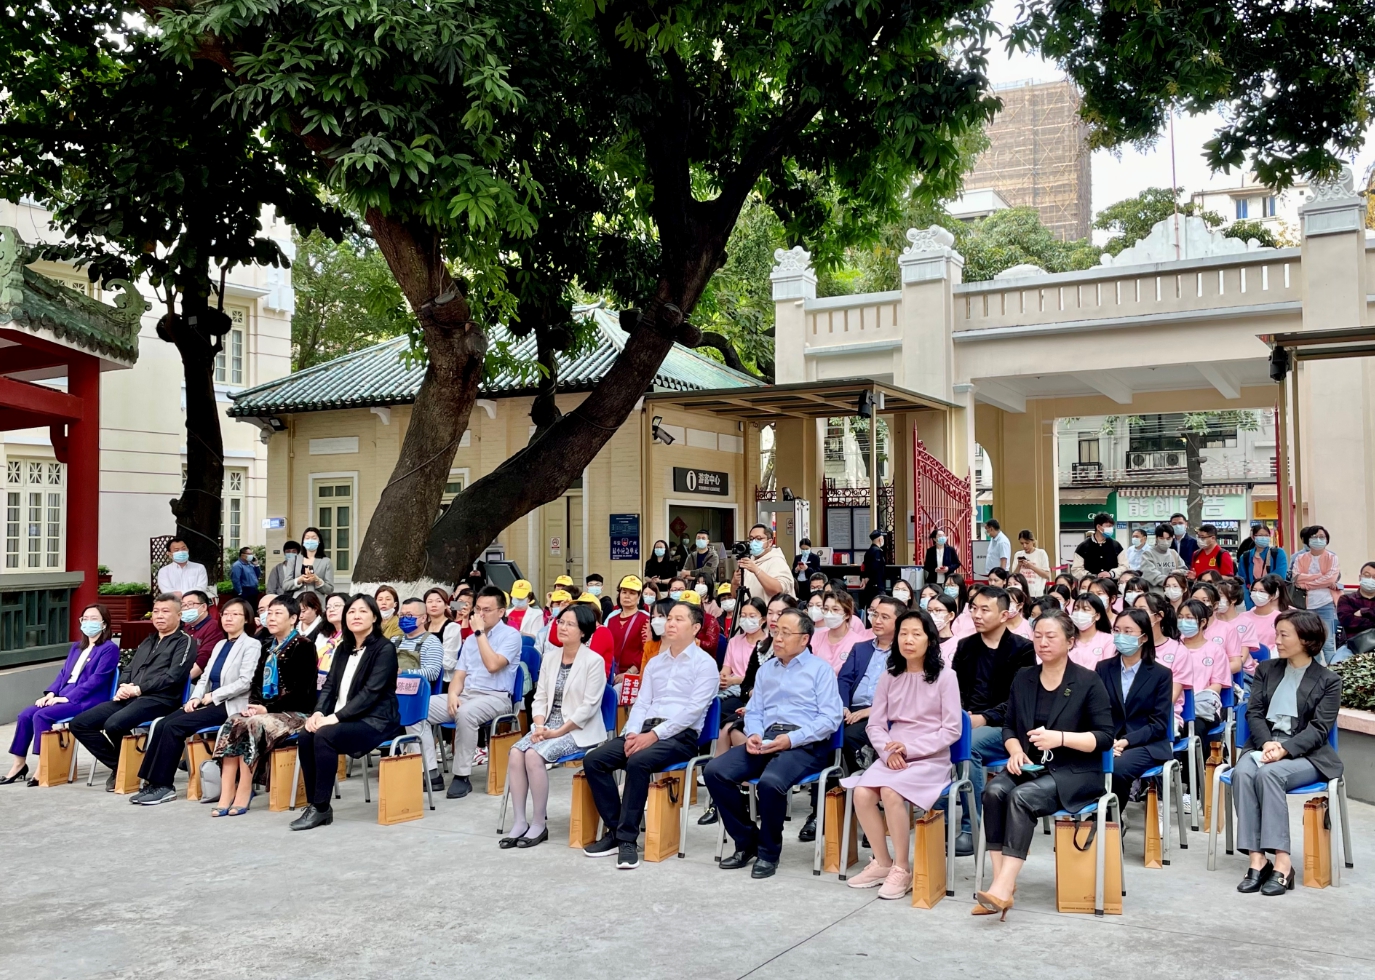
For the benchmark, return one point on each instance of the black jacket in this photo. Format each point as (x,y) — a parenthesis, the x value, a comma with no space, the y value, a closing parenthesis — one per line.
(1012,654)
(296,677)
(160,667)
(1081,705)
(372,695)
(1144,721)
(812,563)
(950,559)
(664,567)
(1320,697)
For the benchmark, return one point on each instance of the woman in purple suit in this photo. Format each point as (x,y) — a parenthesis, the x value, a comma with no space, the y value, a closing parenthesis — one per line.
(82,683)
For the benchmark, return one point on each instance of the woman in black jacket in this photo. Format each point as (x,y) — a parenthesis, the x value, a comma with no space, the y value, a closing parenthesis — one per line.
(1293,708)
(1140,713)
(941,558)
(356,710)
(1057,726)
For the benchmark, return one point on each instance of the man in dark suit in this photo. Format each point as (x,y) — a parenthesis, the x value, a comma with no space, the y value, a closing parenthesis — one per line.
(985,664)
(1184,542)
(1139,693)
(857,680)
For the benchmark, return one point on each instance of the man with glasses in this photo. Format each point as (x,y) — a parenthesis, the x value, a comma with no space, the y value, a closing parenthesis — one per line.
(202,626)
(764,571)
(789,721)
(1210,556)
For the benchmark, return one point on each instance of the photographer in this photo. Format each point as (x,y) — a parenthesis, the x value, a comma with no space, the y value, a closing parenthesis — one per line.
(763,569)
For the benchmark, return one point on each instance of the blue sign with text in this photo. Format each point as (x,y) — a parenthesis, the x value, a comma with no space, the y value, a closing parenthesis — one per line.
(625,537)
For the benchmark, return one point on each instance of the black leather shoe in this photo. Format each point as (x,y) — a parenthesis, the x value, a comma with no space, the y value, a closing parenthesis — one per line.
(763,869)
(737,860)
(808,831)
(964,845)
(707,818)
(1278,884)
(506,843)
(23,773)
(311,818)
(459,788)
(1255,877)
(525,842)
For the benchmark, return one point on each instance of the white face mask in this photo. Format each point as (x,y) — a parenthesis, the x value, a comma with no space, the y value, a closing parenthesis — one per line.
(520,603)
(1223,605)
(1138,543)
(817,613)
(727,604)
(749,625)
(1082,618)
(1260,597)
(940,618)
(657,624)
(1173,592)
(833,620)
(902,595)
(700,588)
(1366,583)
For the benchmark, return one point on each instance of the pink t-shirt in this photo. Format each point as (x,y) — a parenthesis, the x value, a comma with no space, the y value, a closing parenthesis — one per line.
(1022,629)
(835,653)
(1208,663)
(1225,632)
(1256,630)
(948,649)
(1174,655)
(963,625)
(737,659)
(1089,653)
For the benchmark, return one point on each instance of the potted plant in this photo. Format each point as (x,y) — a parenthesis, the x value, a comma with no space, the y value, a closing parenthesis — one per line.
(126,600)
(102,575)
(225,589)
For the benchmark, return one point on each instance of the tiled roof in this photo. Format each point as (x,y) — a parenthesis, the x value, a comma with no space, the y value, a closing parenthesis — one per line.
(380,375)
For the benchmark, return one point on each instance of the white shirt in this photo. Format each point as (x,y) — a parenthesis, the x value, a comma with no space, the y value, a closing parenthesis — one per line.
(677,689)
(182,579)
(80,664)
(346,681)
(1035,585)
(999,547)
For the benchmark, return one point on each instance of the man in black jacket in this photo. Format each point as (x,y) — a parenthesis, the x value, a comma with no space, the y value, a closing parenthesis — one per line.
(151,686)
(985,664)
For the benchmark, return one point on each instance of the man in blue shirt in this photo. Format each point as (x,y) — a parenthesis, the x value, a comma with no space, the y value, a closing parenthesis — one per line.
(480,688)
(243,574)
(789,721)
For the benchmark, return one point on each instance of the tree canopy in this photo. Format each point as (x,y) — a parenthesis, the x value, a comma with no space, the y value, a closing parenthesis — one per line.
(346,299)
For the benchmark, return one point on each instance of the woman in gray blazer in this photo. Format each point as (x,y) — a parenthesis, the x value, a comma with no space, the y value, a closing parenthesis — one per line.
(1293,708)
(312,571)
(222,690)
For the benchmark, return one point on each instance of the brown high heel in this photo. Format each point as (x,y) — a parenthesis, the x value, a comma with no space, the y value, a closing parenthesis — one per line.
(992,903)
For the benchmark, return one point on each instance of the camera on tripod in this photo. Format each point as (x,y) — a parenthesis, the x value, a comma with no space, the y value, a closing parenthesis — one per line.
(740,549)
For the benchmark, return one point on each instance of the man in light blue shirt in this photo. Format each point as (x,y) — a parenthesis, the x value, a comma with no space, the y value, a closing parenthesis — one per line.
(480,688)
(791,716)
(999,547)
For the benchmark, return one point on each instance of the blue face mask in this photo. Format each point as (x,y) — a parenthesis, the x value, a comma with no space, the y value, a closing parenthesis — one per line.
(675,594)
(952,591)
(756,547)
(1262,543)
(311,544)
(1179,529)
(190,615)
(924,600)
(659,552)
(408,624)
(806,552)
(941,539)
(92,628)
(1126,644)
(181,557)
(1188,627)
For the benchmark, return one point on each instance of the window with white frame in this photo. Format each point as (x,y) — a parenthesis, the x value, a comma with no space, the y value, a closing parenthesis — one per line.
(234,482)
(334,512)
(35,508)
(229,361)
(453,486)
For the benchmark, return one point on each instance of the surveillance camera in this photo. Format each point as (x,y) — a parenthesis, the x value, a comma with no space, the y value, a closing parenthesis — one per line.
(661,436)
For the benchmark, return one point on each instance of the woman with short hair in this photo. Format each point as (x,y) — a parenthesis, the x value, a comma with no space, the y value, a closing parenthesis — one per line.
(388,604)
(1292,710)
(836,637)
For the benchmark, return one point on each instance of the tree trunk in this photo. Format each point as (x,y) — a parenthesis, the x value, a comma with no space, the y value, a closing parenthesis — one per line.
(394,547)
(200,508)
(1193,458)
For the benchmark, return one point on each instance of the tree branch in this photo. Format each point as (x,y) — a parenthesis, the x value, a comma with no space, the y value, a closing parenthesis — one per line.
(719,342)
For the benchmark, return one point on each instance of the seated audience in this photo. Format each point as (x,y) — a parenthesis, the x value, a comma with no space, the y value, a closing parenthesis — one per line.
(566,716)
(941,609)
(221,691)
(280,696)
(626,625)
(1094,642)
(1293,707)
(328,637)
(199,621)
(663,728)
(388,604)
(1139,692)
(835,637)
(914,719)
(312,619)
(1209,669)
(151,685)
(419,651)
(356,710)
(1355,610)
(789,722)
(1017,623)
(82,682)
(1059,721)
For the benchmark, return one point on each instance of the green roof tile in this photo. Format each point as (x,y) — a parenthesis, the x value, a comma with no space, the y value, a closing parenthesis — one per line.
(380,376)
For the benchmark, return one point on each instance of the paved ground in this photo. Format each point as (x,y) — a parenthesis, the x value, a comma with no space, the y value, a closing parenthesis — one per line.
(94,887)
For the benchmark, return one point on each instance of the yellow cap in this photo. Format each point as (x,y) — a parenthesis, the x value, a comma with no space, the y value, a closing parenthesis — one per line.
(559,595)
(589,597)
(520,589)
(723,589)
(631,582)
(563,580)
(690,597)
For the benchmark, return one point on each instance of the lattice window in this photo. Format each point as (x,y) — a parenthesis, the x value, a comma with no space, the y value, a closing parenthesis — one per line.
(35,512)
(229,362)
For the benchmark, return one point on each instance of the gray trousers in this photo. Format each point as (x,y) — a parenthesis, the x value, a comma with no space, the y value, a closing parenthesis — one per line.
(475,708)
(1262,803)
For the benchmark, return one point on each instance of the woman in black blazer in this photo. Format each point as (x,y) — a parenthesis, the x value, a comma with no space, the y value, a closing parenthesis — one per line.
(356,710)
(948,557)
(1293,708)
(1056,728)
(1141,715)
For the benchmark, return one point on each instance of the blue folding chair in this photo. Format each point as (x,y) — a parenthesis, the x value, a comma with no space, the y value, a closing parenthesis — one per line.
(819,777)
(76,746)
(1097,809)
(513,716)
(1190,744)
(1332,789)
(1171,782)
(610,697)
(413,704)
(961,760)
(530,656)
(146,729)
(711,729)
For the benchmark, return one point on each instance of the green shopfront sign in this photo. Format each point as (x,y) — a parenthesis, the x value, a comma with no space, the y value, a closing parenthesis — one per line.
(1158,508)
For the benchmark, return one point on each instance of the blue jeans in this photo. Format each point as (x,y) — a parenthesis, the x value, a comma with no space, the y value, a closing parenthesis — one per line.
(987,743)
(1328,615)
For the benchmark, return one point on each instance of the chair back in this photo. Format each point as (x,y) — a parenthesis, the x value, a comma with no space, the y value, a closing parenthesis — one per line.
(1332,738)
(610,701)
(412,697)
(721,642)
(1107,762)
(529,655)
(518,687)
(1263,653)
(962,750)
(186,694)
(838,738)
(1187,715)
(1228,697)
(114,687)
(1243,732)
(712,727)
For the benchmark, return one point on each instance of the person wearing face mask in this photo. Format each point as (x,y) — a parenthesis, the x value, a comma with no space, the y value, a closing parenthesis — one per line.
(1017,622)
(420,651)
(201,625)
(723,607)
(1209,667)
(1184,542)
(1139,693)
(928,592)
(388,602)
(1263,558)
(1319,574)
(703,558)
(1094,642)
(1256,626)
(1211,556)
(1136,549)
(315,569)
(1176,588)
(764,570)
(1107,592)
(941,557)
(902,592)
(653,631)
(626,626)
(806,562)
(676,587)
(956,589)
(1227,617)
(1100,553)
(1356,613)
(595,586)
(659,566)
(243,575)
(941,609)
(285,570)
(743,646)
(182,575)
(833,638)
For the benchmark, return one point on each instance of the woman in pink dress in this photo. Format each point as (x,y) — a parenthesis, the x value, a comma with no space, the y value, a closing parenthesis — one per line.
(915,719)
(1095,631)
(835,639)
(964,623)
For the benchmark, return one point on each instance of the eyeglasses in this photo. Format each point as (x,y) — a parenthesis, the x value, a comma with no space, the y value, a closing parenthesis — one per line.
(782,632)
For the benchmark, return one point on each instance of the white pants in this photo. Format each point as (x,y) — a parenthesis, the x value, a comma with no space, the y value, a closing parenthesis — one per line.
(475,709)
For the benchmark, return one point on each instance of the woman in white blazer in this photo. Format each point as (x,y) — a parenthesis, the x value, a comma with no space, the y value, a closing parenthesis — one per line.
(567,716)
(221,691)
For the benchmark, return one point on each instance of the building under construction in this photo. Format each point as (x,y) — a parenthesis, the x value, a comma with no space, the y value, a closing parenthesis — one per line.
(1037,155)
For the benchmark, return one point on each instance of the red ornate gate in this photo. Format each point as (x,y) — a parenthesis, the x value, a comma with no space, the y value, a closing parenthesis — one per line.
(944,502)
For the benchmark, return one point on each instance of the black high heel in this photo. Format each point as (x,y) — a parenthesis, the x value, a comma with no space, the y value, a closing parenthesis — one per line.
(23,773)
(1278,884)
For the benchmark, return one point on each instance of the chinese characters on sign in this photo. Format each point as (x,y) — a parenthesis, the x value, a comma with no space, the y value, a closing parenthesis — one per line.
(625,537)
(713,482)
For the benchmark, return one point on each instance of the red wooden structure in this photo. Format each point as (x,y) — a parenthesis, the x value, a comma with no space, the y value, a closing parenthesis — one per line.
(944,502)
